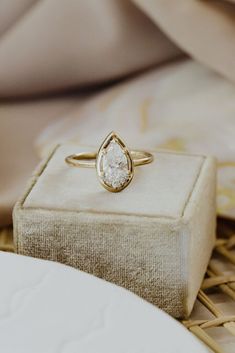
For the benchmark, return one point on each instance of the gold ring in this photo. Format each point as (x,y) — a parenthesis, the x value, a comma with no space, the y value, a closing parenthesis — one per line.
(114,163)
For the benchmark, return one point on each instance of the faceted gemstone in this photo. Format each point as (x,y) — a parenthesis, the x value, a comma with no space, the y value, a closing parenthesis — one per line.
(115,165)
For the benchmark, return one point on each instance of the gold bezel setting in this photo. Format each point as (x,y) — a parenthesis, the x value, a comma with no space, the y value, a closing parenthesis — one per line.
(114,138)
(114,162)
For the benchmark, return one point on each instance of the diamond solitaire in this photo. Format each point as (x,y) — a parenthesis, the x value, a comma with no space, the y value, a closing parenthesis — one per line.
(115,165)
(114,162)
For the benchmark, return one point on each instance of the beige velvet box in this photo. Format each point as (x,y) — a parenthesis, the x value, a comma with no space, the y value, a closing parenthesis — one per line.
(154,238)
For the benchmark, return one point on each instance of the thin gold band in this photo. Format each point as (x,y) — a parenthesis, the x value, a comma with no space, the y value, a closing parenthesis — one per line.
(88,160)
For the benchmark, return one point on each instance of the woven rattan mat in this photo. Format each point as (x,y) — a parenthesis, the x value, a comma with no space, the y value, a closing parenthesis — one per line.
(213,317)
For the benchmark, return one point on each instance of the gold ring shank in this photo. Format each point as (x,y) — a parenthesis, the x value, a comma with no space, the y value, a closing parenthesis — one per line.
(88,160)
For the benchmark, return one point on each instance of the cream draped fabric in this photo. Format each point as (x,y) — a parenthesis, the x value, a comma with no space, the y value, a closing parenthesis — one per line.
(51,45)
(204,29)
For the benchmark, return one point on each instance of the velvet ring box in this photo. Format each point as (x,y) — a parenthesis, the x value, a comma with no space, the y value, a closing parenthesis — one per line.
(154,238)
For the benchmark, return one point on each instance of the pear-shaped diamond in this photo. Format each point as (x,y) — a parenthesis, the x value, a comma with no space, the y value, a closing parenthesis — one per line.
(114,164)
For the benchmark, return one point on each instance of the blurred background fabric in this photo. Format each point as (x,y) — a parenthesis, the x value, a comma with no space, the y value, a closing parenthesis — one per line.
(50,51)
(204,29)
(53,45)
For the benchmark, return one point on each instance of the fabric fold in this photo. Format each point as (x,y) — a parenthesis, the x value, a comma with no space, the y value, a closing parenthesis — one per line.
(60,45)
(203,29)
